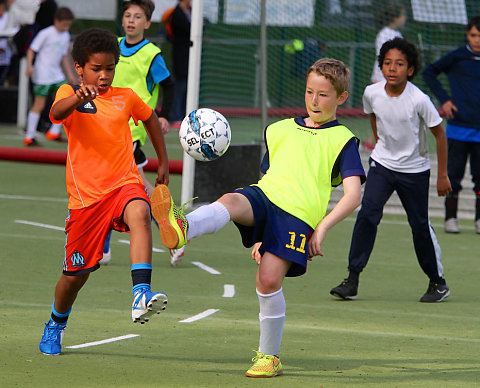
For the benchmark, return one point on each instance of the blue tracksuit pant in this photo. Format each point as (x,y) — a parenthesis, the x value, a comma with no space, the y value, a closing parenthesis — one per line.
(412,189)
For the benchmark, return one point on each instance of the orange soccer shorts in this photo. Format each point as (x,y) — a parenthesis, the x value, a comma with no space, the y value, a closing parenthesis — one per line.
(87,228)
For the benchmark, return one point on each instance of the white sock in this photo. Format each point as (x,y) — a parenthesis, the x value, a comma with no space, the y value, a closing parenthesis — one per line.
(32,123)
(55,129)
(272,320)
(207,219)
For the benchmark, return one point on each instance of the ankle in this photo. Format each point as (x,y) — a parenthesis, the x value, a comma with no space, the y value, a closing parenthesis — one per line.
(354,277)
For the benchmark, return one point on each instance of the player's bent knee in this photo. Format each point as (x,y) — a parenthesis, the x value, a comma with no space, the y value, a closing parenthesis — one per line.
(137,211)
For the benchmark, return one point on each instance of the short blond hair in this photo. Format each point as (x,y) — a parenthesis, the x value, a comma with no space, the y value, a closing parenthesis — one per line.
(334,70)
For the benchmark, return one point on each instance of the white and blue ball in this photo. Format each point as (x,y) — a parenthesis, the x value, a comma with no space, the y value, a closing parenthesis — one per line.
(205,134)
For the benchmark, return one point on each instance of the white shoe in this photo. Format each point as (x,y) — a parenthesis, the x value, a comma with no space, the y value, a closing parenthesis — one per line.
(146,303)
(106,257)
(451,226)
(477,226)
(176,256)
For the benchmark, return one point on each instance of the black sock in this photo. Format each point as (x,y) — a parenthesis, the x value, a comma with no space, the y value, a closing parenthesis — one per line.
(59,319)
(451,205)
(353,276)
(477,206)
(141,276)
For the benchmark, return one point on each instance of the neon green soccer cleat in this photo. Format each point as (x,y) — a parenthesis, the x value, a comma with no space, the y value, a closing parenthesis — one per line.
(265,365)
(172,223)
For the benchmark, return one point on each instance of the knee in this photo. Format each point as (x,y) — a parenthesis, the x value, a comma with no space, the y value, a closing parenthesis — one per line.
(267,283)
(137,212)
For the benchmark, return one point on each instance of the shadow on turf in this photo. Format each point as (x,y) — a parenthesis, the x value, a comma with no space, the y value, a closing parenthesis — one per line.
(352,371)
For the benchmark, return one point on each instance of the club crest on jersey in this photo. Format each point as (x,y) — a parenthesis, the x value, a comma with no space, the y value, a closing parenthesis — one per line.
(87,107)
(77,259)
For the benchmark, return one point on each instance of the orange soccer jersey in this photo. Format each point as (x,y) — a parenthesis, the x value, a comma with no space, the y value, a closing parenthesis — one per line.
(100,151)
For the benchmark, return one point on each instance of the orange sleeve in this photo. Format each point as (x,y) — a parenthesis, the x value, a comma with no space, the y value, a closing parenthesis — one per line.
(63,91)
(140,110)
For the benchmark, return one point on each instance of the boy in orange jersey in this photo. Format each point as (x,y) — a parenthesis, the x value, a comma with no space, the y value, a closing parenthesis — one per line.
(104,187)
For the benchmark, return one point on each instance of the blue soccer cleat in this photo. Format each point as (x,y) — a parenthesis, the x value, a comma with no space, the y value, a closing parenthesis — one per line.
(51,343)
(147,303)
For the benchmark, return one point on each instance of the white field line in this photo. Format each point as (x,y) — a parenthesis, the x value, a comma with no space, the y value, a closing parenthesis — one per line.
(202,315)
(228,291)
(206,268)
(40,225)
(128,243)
(105,341)
(29,198)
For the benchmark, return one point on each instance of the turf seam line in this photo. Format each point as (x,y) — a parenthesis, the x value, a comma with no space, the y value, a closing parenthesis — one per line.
(153,249)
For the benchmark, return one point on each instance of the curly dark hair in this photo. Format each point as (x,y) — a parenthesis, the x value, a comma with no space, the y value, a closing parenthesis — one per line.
(405,47)
(93,41)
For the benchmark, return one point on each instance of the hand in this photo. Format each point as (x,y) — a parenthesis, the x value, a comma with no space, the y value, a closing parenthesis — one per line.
(256,254)
(315,242)
(164,124)
(443,186)
(163,175)
(29,71)
(448,108)
(87,92)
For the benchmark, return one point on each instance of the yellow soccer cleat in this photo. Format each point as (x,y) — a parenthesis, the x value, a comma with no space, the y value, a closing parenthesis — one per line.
(265,365)
(172,223)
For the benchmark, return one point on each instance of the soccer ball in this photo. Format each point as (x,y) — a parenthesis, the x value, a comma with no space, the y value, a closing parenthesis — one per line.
(205,134)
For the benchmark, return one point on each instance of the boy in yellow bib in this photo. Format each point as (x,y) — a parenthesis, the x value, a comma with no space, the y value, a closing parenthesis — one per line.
(283,215)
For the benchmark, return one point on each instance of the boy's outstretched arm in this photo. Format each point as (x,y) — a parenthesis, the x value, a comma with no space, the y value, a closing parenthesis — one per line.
(64,107)
(352,197)
(156,137)
(443,183)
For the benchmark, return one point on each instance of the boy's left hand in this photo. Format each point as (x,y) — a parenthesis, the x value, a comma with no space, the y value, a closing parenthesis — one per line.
(164,124)
(163,174)
(443,186)
(315,242)
(256,254)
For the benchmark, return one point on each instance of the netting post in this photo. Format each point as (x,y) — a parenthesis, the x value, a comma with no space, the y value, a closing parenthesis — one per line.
(193,87)
(22,102)
(263,61)
(263,71)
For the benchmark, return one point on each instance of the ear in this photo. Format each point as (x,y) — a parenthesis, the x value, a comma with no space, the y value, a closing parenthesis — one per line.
(342,98)
(78,68)
(147,26)
(410,71)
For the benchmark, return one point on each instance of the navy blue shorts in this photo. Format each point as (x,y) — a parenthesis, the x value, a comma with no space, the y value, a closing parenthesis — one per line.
(279,232)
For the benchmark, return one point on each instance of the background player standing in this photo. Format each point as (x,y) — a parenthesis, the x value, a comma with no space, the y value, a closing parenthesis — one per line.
(400,162)
(462,109)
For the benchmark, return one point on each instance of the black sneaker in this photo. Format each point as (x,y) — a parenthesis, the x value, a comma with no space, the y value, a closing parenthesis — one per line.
(435,293)
(346,290)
